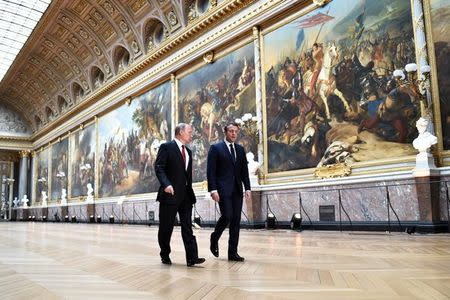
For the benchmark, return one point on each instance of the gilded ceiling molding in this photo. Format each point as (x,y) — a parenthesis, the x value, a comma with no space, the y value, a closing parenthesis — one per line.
(15,143)
(136,43)
(24,153)
(211,19)
(139,79)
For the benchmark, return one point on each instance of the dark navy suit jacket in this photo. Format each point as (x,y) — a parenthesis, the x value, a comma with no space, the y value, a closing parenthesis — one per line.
(169,168)
(224,175)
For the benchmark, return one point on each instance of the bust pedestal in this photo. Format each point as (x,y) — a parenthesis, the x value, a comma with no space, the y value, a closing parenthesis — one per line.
(426,179)
(425,165)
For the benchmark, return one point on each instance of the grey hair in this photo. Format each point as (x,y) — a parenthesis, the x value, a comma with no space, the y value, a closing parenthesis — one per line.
(180,127)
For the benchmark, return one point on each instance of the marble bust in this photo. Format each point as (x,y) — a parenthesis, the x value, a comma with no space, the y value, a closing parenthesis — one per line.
(252,164)
(424,159)
(25,201)
(425,139)
(90,191)
(253,167)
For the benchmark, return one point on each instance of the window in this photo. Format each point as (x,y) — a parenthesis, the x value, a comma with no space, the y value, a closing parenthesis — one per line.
(17,21)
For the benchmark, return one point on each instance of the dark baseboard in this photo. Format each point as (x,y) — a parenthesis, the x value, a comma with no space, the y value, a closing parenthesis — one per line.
(405,226)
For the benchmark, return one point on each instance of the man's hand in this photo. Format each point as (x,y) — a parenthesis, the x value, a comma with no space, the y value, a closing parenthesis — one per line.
(215,196)
(248,195)
(169,190)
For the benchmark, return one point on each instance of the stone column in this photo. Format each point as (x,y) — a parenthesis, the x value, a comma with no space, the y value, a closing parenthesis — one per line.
(23,173)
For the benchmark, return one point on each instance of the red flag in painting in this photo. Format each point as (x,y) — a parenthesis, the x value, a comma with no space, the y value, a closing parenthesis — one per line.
(317,19)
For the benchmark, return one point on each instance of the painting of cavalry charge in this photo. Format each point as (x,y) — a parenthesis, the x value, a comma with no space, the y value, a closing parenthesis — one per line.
(129,139)
(215,94)
(329,89)
(41,181)
(440,16)
(82,153)
(59,169)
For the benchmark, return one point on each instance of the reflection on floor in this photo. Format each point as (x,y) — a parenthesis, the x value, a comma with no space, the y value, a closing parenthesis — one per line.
(84,261)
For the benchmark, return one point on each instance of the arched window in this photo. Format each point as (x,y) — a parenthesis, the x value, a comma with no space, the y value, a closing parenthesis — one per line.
(49,114)
(121,59)
(153,33)
(77,92)
(97,77)
(62,104)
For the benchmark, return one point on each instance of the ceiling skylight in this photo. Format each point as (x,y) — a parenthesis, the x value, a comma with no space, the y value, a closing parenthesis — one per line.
(17,20)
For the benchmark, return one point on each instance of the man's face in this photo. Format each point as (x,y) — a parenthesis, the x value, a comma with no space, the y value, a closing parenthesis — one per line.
(231,133)
(186,134)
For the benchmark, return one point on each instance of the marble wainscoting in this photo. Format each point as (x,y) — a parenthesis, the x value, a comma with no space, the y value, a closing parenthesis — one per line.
(207,209)
(55,213)
(365,202)
(360,202)
(253,210)
(36,212)
(80,211)
(21,214)
(130,211)
(444,194)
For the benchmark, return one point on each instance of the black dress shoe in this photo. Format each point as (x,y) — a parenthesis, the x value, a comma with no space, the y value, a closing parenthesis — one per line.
(196,261)
(166,260)
(214,247)
(235,257)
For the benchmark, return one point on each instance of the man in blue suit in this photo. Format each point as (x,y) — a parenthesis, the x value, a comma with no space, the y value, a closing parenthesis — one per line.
(227,171)
(173,167)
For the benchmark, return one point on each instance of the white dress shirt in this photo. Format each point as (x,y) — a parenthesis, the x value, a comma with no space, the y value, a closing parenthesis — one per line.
(179,143)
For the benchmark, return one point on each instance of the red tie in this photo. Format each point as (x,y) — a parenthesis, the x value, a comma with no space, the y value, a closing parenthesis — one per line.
(183,153)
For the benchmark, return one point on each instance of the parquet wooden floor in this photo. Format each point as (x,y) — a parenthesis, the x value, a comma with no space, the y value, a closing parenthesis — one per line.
(90,261)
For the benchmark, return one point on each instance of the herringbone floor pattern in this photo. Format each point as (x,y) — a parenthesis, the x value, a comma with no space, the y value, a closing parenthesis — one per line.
(90,261)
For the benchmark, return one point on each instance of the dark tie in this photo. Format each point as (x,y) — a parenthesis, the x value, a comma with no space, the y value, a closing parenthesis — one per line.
(183,153)
(233,153)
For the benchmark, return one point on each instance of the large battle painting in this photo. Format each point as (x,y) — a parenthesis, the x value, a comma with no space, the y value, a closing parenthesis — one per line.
(214,95)
(59,169)
(82,156)
(41,179)
(329,89)
(440,16)
(129,139)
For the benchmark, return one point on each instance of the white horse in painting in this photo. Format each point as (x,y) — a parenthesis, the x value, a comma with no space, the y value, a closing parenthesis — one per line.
(327,82)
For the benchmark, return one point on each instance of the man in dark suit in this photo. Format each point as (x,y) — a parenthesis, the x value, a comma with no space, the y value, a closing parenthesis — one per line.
(173,167)
(227,171)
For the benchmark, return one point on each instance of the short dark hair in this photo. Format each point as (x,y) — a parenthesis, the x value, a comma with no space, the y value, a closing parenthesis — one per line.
(225,128)
(179,128)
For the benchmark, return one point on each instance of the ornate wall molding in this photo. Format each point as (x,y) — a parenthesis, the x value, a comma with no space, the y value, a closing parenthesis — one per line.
(140,77)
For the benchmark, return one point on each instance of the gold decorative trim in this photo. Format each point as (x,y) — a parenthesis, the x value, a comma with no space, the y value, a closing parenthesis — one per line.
(96,159)
(15,138)
(208,57)
(333,171)
(320,3)
(213,17)
(434,80)
(24,153)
